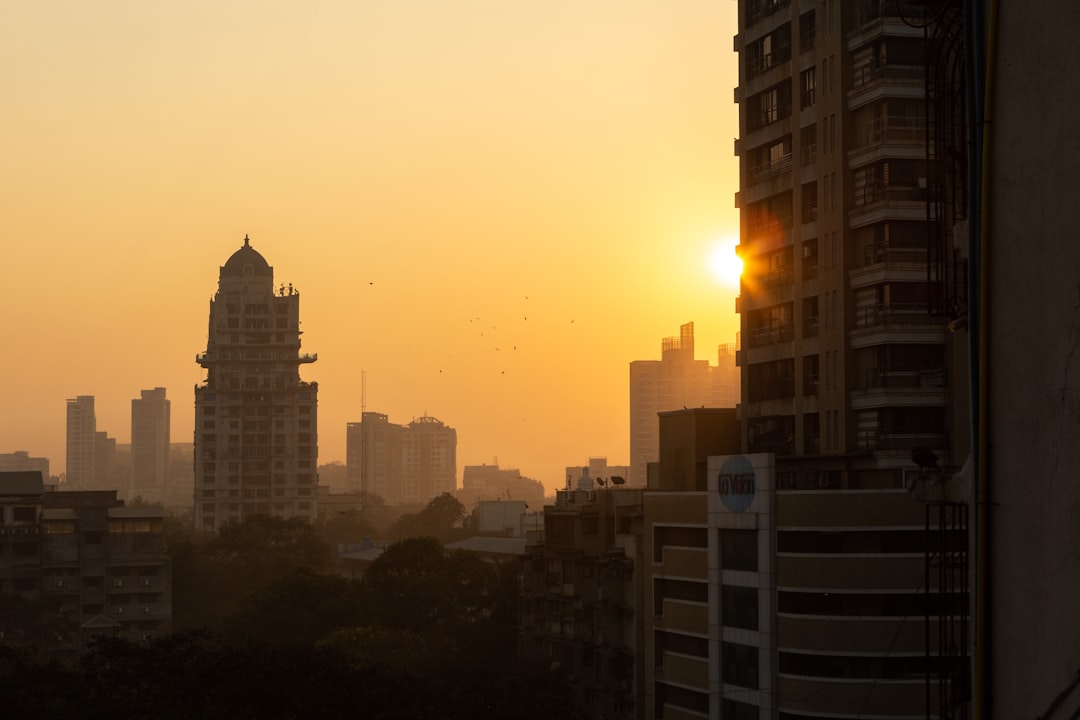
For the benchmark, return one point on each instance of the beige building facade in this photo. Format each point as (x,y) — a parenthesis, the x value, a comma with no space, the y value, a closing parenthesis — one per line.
(256,421)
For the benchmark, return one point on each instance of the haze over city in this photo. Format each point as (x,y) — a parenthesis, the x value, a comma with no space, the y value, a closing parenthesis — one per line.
(490,208)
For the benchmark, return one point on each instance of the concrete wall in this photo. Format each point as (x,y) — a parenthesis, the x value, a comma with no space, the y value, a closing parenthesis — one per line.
(1034,371)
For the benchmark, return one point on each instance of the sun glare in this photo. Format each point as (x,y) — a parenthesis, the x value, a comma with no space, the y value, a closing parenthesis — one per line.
(724,265)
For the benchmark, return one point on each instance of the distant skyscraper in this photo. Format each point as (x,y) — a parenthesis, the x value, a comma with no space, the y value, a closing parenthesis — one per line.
(402,464)
(81,429)
(150,444)
(255,420)
(674,382)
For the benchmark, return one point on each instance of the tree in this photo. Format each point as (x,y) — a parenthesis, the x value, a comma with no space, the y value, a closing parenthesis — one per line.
(439,518)
(298,609)
(213,577)
(347,528)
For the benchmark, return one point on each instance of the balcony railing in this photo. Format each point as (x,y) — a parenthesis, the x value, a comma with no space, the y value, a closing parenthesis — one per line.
(871,10)
(886,253)
(878,192)
(810,326)
(760,9)
(895,128)
(890,440)
(871,72)
(883,377)
(760,337)
(769,168)
(810,386)
(809,154)
(893,314)
(770,60)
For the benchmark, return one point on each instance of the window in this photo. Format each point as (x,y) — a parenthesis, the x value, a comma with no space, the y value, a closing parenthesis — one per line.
(25,514)
(738,550)
(739,607)
(739,665)
(807,84)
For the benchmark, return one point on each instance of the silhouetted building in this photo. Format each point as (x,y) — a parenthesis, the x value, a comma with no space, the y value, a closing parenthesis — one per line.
(181,477)
(104,564)
(20,460)
(402,464)
(150,415)
(490,482)
(108,473)
(81,442)
(256,425)
(674,382)
(582,598)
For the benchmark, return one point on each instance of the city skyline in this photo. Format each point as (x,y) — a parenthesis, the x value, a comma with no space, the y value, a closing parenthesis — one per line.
(491,210)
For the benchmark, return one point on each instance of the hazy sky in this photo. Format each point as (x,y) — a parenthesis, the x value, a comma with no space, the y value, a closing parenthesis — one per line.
(490,206)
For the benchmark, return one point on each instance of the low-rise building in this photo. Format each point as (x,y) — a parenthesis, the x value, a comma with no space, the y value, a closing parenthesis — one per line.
(100,563)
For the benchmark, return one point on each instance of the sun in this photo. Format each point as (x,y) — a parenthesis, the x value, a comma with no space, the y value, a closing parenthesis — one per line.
(724,265)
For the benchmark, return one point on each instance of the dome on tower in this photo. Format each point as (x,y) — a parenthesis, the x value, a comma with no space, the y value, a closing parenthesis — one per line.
(246,261)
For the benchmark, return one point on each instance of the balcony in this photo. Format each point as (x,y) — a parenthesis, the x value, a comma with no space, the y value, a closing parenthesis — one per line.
(900,388)
(876,202)
(873,10)
(894,315)
(883,377)
(900,442)
(764,336)
(770,168)
(760,9)
(763,63)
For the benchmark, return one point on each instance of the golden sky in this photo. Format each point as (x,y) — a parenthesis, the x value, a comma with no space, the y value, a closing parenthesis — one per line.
(490,206)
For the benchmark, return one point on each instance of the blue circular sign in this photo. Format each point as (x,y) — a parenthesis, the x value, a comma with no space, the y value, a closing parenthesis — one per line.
(737,483)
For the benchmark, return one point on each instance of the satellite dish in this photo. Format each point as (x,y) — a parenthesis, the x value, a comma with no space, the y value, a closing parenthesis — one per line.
(617,480)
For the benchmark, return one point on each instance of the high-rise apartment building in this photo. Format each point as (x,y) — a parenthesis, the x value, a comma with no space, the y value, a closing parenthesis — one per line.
(674,382)
(402,464)
(81,442)
(255,419)
(150,444)
(848,364)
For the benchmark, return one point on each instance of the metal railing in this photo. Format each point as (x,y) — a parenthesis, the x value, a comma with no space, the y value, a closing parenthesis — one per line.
(893,314)
(895,128)
(770,167)
(760,337)
(768,61)
(883,377)
(881,252)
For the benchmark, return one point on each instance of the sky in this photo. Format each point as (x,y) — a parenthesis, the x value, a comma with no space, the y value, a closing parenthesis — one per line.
(489,208)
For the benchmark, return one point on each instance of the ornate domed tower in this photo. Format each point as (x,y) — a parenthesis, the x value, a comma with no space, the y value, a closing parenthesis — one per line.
(255,420)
